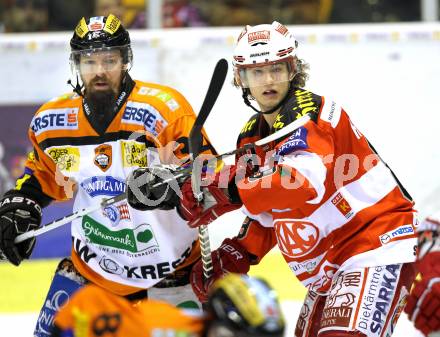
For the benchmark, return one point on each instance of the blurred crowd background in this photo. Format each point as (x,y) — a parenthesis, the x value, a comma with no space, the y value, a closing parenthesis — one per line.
(59,15)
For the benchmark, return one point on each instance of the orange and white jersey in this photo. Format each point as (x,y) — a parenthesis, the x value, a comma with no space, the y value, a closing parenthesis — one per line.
(119,248)
(93,312)
(324,196)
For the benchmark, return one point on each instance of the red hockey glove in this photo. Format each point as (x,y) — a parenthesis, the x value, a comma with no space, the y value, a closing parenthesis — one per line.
(220,196)
(231,257)
(423,307)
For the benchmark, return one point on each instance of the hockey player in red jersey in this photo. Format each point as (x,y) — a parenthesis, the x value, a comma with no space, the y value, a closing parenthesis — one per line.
(423,306)
(341,219)
(237,306)
(87,143)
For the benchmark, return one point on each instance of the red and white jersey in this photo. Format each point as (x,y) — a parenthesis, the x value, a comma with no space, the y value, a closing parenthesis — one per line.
(323,195)
(430,223)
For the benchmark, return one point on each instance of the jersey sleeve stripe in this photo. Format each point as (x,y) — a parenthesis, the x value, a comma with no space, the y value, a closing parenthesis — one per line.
(310,165)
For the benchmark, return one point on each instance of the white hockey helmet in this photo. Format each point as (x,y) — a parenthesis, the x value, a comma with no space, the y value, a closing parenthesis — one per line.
(263,45)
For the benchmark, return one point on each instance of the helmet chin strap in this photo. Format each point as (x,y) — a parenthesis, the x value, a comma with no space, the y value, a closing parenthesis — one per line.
(76,88)
(276,107)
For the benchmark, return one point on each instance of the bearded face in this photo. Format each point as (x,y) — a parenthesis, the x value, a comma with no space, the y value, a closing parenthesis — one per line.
(101,73)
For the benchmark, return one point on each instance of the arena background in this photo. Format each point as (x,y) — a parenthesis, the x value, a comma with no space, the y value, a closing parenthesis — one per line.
(385,75)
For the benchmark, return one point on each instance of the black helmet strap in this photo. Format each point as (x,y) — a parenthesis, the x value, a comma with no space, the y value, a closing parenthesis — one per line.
(76,88)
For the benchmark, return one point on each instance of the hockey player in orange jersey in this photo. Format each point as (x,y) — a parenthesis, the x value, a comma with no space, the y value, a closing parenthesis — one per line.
(423,306)
(86,144)
(237,306)
(341,219)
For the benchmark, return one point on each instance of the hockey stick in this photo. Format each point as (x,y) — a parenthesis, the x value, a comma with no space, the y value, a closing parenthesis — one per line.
(275,136)
(195,143)
(62,221)
(182,173)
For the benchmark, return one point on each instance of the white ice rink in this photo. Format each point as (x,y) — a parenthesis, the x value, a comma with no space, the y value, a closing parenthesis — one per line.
(22,325)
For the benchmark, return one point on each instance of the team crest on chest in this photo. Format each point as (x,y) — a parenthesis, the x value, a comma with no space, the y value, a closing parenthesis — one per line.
(103,157)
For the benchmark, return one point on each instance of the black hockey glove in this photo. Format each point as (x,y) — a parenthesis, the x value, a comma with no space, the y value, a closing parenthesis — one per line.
(141,194)
(18,214)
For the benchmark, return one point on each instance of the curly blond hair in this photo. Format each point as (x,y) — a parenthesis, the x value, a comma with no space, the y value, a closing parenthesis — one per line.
(301,77)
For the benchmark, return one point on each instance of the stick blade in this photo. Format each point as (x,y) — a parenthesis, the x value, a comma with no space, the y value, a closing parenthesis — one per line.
(215,86)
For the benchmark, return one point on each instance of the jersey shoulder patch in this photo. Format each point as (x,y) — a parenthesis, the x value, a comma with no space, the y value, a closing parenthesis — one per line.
(169,96)
(330,112)
(64,97)
(144,114)
(56,115)
(296,141)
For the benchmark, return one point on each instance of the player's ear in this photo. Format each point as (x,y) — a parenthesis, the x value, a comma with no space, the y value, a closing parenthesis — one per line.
(237,81)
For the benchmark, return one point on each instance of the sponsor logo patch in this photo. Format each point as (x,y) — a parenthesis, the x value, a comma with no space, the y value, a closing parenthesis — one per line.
(322,280)
(399,308)
(296,238)
(259,54)
(172,104)
(377,299)
(393,235)
(96,23)
(133,240)
(106,185)
(59,293)
(148,91)
(151,271)
(262,36)
(282,29)
(81,29)
(134,154)
(117,213)
(342,205)
(55,119)
(297,141)
(308,266)
(111,266)
(66,158)
(304,319)
(341,301)
(112,24)
(145,115)
(162,95)
(103,157)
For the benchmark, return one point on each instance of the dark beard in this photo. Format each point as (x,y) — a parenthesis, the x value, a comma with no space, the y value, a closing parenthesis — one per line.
(101,103)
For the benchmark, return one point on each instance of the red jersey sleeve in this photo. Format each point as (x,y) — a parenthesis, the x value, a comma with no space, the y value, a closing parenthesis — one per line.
(298,175)
(256,239)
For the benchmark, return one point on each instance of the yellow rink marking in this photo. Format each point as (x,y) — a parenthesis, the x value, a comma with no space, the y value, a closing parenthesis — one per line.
(274,269)
(24,288)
